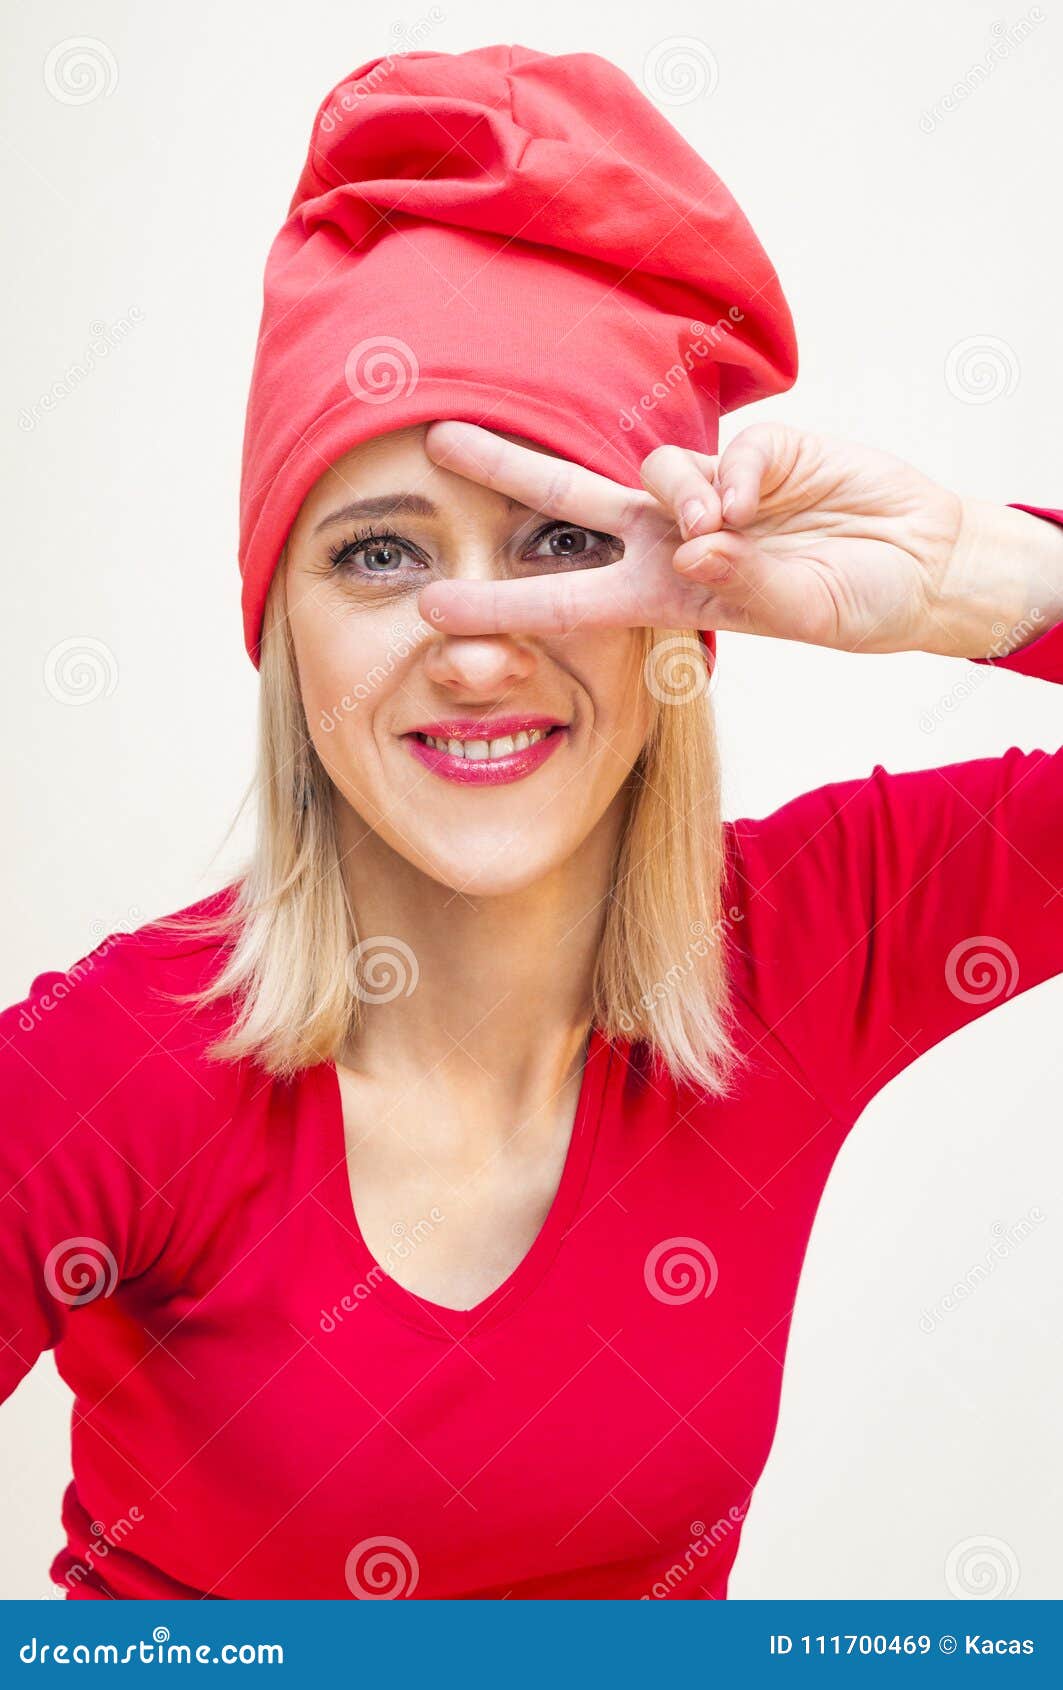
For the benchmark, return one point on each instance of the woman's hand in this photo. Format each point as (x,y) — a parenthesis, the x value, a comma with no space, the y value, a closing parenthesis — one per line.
(798,536)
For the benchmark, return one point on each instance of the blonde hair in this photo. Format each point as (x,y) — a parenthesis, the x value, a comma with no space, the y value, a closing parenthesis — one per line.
(661,974)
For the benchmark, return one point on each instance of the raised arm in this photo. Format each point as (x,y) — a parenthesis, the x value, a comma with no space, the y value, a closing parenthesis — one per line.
(879,914)
(882,914)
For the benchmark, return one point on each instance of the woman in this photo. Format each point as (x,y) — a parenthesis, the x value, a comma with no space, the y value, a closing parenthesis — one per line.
(422,1215)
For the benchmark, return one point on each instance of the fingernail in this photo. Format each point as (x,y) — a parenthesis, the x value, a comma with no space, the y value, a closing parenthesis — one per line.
(728,500)
(691,512)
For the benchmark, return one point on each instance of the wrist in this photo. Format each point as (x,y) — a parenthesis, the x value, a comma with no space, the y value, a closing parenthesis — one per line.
(1003,584)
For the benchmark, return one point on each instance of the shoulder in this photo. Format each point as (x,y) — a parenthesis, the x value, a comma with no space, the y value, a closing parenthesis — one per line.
(131,975)
(809,839)
(116,1128)
(807,888)
(113,1040)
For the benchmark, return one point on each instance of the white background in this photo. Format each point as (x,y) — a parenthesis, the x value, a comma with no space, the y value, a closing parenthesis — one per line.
(896,239)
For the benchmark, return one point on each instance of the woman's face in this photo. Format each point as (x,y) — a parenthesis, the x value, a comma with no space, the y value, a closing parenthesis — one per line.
(533,735)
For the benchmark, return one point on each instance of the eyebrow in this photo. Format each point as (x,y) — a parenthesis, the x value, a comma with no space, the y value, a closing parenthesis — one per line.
(391,504)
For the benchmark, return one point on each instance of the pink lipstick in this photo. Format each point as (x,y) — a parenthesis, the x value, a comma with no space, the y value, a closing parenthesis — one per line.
(486,751)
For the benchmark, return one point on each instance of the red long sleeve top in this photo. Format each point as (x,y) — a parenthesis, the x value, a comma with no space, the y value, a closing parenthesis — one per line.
(260,1411)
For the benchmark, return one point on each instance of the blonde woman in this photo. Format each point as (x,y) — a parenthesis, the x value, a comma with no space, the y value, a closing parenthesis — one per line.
(421,1215)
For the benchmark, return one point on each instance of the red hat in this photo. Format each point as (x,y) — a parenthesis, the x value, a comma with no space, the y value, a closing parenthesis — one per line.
(506,237)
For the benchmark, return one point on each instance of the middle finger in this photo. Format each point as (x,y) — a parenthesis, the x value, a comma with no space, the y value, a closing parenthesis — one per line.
(684,482)
(548,485)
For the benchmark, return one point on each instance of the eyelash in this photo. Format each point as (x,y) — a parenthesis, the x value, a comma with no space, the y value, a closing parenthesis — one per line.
(341,555)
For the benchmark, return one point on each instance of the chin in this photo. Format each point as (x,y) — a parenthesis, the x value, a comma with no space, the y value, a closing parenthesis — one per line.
(492,869)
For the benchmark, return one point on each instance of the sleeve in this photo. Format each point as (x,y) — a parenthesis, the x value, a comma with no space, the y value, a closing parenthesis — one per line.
(879,915)
(86,1152)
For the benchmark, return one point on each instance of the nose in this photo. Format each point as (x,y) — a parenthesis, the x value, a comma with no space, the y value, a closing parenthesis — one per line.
(479,665)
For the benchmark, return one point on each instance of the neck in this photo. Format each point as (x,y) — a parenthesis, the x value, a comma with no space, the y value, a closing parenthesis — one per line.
(502,1000)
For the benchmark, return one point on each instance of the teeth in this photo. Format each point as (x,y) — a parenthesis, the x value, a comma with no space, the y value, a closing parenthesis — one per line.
(479,749)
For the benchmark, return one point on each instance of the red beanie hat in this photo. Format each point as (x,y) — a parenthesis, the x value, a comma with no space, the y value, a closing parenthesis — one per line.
(511,238)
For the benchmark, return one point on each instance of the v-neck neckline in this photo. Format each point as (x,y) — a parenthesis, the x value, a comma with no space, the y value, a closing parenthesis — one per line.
(436,1319)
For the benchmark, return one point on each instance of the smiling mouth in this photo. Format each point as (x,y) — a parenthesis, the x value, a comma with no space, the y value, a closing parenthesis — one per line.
(477,760)
(488,750)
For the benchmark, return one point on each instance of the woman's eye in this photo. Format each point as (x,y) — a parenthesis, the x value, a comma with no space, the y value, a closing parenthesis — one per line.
(372,554)
(566,542)
(367,553)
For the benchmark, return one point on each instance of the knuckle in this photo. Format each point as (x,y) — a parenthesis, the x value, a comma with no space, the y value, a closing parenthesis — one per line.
(567,607)
(559,483)
(636,505)
(665,467)
(756,434)
(659,455)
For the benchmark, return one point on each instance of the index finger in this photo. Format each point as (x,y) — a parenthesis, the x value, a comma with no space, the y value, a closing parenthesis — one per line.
(553,486)
(557,603)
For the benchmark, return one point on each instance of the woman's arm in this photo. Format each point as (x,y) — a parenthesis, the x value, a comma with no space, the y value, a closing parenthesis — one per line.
(882,914)
(104,1110)
(1003,585)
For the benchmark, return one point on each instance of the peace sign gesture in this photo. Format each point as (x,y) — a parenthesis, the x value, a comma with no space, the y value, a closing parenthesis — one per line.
(640,590)
(786,533)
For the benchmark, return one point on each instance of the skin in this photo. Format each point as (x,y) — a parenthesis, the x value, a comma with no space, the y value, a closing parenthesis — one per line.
(795,535)
(461,1094)
(349,623)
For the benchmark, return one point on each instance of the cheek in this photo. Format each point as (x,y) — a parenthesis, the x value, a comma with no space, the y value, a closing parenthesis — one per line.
(342,679)
(610,667)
